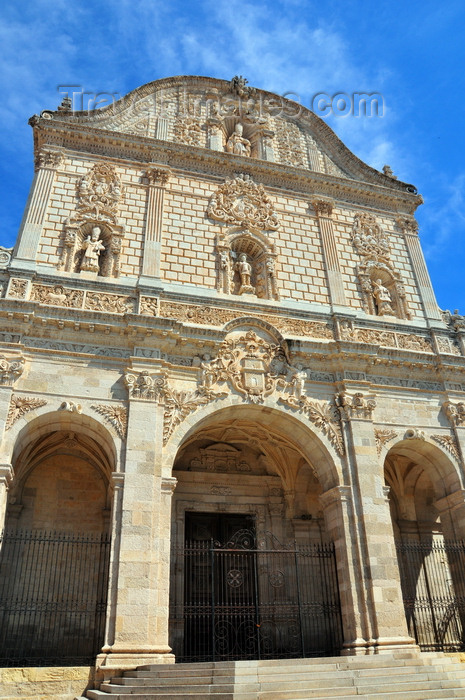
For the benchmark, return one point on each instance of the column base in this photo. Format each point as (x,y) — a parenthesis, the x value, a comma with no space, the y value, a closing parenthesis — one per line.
(119,657)
(383,645)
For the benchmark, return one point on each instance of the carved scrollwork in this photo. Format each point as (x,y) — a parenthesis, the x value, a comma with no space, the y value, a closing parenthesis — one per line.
(455,412)
(449,443)
(5,257)
(57,296)
(141,385)
(244,203)
(356,406)
(10,370)
(322,414)
(382,437)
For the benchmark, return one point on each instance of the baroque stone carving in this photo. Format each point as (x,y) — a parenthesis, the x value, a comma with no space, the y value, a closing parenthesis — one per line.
(237,144)
(57,296)
(49,159)
(188,130)
(415,434)
(322,414)
(158,176)
(64,347)
(179,404)
(238,86)
(93,235)
(112,303)
(5,257)
(454,412)
(383,436)
(209,315)
(449,443)
(148,306)
(19,405)
(71,407)
(383,291)
(17,288)
(356,406)
(10,370)
(243,203)
(219,457)
(116,416)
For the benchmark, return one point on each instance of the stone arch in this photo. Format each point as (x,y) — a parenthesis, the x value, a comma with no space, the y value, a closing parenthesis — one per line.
(68,453)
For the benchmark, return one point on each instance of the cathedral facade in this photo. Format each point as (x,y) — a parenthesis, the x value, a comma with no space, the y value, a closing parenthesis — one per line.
(232,413)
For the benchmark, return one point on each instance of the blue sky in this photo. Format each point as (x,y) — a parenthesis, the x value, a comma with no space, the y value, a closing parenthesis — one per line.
(410,52)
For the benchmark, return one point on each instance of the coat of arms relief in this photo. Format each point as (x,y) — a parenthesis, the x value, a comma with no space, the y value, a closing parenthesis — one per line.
(248,364)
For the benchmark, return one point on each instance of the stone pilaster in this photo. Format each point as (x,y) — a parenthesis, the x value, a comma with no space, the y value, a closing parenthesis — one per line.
(410,230)
(339,517)
(140,623)
(455,413)
(157,179)
(36,207)
(324,212)
(379,568)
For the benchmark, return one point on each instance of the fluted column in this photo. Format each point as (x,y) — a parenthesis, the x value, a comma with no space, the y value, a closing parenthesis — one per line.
(324,211)
(157,180)
(409,228)
(36,207)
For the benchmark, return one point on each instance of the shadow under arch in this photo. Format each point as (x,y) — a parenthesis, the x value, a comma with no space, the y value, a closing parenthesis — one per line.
(305,441)
(427,511)
(55,551)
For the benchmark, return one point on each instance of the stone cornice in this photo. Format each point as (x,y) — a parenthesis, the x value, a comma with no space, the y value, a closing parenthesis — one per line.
(95,142)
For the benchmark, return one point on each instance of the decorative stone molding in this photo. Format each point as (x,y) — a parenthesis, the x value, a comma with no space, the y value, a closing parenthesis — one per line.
(49,159)
(179,404)
(455,412)
(17,289)
(383,291)
(322,414)
(19,406)
(323,207)
(116,416)
(168,485)
(141,385)
(57,296)
(383,436)
(449,443)
(238,86)
(71,407)
(110,303)
(5,257)
(356,406)
(187,129)
(214,316)
(410,341)
(408,224)
(10,369)
(157,176)
(414,434)
(148,306)
(6,475)
(92,237)
(242,202)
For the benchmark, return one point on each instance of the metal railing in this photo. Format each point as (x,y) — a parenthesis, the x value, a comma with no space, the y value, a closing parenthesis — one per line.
(433,586)
(256,598)
(53,596)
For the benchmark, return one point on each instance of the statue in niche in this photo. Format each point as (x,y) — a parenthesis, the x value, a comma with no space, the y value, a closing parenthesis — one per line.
(297,381)
(92,247)
(244,268)
(237,144)
(383,299)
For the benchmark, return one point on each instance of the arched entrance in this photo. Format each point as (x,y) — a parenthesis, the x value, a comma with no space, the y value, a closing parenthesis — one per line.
(55,547)
(427,511)
(253,565)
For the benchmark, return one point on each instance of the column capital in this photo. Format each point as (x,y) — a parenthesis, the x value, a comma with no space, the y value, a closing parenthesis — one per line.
(323,206)
(158,177)
(49,159)
(356,406)
(6,474)
(338,494)
(117,479)
(168,484)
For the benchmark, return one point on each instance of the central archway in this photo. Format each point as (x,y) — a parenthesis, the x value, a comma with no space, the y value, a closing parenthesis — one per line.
(253,564)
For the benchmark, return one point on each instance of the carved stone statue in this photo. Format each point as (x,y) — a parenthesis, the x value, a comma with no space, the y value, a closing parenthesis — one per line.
(297,380)
(383,299)
(237,144)
(92,246)
(244,268)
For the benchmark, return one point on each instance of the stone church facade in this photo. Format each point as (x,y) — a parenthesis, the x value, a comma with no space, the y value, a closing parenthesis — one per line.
(217,318)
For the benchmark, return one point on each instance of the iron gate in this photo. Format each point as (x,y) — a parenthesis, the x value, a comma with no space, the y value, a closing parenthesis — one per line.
(256,598)
(433,586)
(53,594)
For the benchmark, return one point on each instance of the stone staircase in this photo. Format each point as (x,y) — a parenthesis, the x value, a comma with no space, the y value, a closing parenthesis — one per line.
(398,676)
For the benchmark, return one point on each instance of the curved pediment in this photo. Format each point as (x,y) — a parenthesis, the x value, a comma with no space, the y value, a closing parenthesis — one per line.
(230,117)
